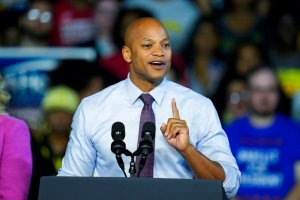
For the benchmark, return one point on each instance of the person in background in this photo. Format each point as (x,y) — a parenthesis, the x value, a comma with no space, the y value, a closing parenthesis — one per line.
(239,23)
(189,141)
(36,24)
(265,142)
(205,66)
(59,105)
(15,153)
(105,14)
(246,56)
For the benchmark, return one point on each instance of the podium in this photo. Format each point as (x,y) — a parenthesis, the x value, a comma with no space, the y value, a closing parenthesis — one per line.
(116,188)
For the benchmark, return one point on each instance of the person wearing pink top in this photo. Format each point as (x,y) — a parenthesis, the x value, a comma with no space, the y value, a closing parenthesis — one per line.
(15,154)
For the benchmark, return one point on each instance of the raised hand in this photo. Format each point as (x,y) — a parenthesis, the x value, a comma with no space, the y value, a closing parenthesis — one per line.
(176,131)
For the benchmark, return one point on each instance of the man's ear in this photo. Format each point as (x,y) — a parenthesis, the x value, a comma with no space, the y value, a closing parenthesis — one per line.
(126,54)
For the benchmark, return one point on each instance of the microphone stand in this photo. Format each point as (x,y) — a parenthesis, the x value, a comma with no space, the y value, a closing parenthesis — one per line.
(118,147)
(132,169)
(119,152)
(143,159)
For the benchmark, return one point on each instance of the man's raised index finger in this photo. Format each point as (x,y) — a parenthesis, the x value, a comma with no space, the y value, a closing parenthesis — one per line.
(174,109)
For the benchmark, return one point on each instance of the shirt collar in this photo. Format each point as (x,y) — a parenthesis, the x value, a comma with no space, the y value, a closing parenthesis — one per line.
(134,92)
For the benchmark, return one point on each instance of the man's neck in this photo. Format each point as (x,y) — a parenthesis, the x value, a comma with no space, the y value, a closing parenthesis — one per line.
(146,86)
(261,121)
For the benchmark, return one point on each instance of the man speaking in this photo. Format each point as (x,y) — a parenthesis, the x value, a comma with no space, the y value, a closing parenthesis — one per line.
(189,140)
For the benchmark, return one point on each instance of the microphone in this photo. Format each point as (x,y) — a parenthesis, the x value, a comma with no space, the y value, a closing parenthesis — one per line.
(118,147)
(118,131)
(146,145)
(148,135)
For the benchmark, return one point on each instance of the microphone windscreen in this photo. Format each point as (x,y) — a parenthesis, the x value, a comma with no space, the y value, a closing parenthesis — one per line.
(118,131)
(149,127)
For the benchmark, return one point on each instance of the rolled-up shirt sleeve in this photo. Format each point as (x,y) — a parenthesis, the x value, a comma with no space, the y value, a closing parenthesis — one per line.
(232,180)
(215,145)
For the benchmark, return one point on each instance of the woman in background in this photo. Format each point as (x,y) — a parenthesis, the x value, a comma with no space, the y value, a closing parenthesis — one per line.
(15,154)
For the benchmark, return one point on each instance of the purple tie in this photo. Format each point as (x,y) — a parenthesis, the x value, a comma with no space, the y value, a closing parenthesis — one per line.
(147,115)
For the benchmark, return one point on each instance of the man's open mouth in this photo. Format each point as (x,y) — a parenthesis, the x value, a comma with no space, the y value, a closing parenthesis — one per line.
(157,63)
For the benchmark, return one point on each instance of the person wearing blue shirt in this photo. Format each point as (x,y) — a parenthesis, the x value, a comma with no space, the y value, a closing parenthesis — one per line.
(265,143)
(189,141)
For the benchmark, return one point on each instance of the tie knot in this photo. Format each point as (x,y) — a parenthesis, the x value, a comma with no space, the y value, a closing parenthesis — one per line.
(147,98)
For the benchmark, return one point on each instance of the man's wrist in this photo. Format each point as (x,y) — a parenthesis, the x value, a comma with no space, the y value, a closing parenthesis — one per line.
(190,148)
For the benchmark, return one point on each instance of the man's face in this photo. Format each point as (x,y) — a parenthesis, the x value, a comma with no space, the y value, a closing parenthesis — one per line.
(105,14)
(247,58)
(59,121)
(264,95)
(148,53)
(38,21)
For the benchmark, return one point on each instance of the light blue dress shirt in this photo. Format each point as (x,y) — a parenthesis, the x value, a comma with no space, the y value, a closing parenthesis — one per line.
(89,148)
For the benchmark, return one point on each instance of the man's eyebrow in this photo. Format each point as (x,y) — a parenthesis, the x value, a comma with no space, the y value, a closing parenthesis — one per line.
(150,40)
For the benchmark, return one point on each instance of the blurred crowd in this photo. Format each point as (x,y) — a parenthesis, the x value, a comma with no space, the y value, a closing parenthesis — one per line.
(215,44)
